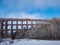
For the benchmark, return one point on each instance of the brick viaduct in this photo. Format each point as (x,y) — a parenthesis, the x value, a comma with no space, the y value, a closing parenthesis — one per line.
(15,24)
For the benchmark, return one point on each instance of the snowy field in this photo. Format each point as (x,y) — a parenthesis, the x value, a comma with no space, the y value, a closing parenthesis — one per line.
(29,42)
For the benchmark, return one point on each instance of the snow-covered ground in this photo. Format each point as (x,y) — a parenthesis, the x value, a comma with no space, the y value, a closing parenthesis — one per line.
(29,42)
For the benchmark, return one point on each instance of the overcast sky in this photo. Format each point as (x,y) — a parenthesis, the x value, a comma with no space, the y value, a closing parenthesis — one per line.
(29,8)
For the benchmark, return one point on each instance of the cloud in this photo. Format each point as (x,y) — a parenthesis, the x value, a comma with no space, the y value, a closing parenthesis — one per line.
(28,5)
(24,15)
(31,4)
(39,8)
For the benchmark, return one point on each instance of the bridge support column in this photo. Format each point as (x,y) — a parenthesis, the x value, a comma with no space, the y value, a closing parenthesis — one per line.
(27,25)
(22,25)
(17,26)
(31,24)
(11,29)
(5,28)
(0,30)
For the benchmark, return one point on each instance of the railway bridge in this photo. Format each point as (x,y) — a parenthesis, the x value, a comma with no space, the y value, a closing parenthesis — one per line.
(11,25)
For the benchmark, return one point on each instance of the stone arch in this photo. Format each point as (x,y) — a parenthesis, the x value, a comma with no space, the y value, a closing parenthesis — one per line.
(24,22)
(29,26)
(19,27)
(24,27)
(29,22)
